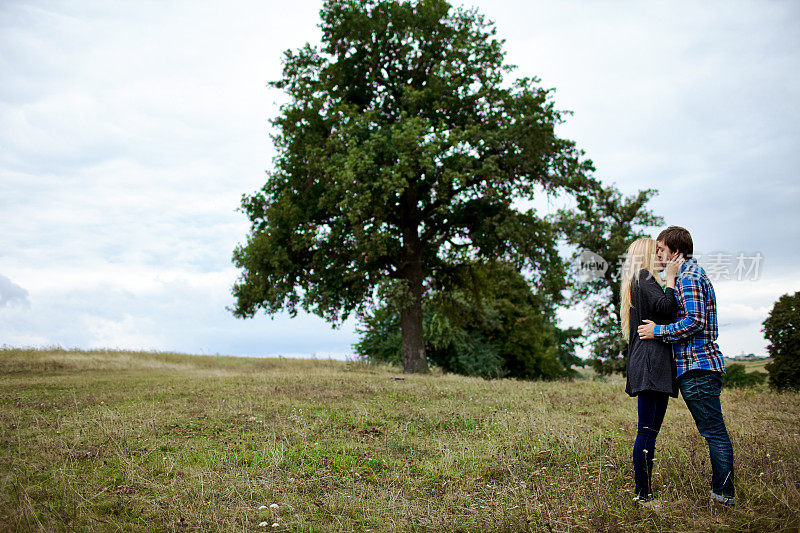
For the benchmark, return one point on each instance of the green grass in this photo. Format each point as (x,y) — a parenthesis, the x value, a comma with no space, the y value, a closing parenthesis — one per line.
(170,442)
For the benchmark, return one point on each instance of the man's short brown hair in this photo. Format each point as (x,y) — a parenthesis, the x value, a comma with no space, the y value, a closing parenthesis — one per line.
(677,239)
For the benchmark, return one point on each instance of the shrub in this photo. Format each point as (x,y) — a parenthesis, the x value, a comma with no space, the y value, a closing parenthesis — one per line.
(736,375)
(782,330)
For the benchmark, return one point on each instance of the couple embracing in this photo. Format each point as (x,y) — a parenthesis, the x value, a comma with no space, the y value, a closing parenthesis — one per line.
(671,336)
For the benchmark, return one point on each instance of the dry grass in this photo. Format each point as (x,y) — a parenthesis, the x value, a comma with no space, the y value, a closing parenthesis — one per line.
(171,442)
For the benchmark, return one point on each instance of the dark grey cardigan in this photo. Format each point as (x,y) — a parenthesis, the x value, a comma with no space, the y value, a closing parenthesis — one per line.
(651,366)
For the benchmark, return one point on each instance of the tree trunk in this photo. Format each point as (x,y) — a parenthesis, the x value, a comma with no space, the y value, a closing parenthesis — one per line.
(414,359)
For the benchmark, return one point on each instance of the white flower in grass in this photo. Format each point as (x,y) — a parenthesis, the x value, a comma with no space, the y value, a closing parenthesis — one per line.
(275,524)
(262,507)
(263,524)
(273,506)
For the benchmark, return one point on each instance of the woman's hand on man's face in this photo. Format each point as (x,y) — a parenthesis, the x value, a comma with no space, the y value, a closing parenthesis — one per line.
(674,265)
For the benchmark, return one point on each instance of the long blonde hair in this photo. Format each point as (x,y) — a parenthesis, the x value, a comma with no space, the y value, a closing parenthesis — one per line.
(641,255)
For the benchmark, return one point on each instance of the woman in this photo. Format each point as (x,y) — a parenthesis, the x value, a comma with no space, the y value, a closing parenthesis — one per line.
(651,367)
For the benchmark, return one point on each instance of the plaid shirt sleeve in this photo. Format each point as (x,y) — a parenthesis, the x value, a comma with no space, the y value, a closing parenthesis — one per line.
(693,322)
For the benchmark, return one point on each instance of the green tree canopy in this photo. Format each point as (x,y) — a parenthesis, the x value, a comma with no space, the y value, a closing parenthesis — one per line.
(401,152)
(782,331)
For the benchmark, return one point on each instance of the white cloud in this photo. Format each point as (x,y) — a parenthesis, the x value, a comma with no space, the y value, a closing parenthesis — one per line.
(129,333)
(742,313)
(12,294)
(161,310)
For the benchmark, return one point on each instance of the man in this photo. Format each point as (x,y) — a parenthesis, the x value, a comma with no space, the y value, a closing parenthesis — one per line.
(698,358)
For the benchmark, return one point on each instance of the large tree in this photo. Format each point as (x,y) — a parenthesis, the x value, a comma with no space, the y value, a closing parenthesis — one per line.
(401,152)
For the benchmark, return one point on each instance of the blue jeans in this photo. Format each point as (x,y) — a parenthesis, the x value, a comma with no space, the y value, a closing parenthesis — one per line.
(701,394)
(651,408)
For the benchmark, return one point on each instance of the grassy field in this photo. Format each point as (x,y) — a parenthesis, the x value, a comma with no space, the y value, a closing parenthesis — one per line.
(105,441)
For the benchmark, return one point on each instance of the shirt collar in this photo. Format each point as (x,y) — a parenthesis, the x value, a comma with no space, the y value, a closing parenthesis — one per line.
(685,265)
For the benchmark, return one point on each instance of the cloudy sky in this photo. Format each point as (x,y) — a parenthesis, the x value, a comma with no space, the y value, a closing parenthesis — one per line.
(130,130)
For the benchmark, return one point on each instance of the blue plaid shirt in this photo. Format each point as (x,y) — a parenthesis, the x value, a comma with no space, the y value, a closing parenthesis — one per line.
(695,331)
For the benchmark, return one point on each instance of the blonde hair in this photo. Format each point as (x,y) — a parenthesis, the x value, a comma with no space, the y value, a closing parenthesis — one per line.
(641,255)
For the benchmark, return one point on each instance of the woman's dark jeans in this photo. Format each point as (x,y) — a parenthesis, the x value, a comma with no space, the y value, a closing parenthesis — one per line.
(701,394)
(652,406)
